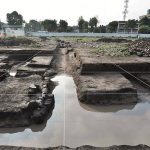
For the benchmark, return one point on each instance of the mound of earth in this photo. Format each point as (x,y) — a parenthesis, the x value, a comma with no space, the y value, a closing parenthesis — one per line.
(140,48)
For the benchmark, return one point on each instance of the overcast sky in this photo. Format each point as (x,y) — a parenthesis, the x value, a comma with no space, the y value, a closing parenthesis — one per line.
(70,10)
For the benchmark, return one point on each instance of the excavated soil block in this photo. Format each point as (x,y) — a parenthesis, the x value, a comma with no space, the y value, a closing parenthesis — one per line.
(145,77)
(18,108)
(90,63)
(99,64)
(41,61)
(106,89)
(27,51)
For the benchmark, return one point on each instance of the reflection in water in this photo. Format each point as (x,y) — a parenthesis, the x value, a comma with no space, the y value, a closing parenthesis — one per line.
(113,108)
(72,125)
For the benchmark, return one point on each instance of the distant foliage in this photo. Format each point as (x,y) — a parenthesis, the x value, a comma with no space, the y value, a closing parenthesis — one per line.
(33,26)
(14,18)
(112,27)
(93,22)
(145,21)
(50,25)
(63,26)
(131,24)
(144,29)
(81,22)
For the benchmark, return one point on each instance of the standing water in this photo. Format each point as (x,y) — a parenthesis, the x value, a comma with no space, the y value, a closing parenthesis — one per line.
(74,124)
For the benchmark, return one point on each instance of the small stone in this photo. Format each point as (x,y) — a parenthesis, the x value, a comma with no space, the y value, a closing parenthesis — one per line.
(44,86)
(33,105)
(44,90)
(43,95)
(33,89)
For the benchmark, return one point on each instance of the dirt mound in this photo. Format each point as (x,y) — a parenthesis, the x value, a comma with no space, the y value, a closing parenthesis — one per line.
(116,40)
(140,48)
(12,41)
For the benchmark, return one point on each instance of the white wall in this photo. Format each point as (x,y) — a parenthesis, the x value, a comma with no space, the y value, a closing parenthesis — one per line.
(50,34)
(13,32)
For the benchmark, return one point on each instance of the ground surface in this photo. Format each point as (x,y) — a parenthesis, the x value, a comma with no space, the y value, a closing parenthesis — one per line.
(84,56)
(139,147)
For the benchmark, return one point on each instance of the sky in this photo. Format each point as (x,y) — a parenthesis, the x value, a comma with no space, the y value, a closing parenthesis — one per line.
(71,10)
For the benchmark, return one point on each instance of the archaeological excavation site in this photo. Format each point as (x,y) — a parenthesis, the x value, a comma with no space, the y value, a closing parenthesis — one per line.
(74,93)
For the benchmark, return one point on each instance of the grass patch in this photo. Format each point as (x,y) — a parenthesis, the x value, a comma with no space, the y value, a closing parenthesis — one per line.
(113,49)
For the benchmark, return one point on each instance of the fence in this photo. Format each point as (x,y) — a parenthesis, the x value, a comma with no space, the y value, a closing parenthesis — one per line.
(54,34)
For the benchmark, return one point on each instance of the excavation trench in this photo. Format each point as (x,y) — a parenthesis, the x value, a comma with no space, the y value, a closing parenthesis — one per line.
(74,124)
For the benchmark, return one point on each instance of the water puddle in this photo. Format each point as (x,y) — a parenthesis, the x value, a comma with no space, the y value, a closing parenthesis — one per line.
(74,124)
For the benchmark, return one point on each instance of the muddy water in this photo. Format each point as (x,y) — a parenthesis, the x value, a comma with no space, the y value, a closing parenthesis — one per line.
(74,124)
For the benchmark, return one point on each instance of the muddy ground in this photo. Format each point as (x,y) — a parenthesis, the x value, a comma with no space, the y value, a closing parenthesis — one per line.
(26,86)
(124,147)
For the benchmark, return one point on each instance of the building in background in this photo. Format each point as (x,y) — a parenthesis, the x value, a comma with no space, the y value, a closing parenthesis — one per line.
(13,30)
(122,28)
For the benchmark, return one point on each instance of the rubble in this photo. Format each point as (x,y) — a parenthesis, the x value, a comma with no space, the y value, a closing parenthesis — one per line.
(140,48)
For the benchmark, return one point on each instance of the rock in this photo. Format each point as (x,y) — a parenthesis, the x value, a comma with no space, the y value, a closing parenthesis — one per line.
(33,105)
(37,117)
(39,101)
(43,95)
(140,54)
(140,48)
(44,90)
(33,89)
(47,78)
(44,86)
(49,73)
(51,96)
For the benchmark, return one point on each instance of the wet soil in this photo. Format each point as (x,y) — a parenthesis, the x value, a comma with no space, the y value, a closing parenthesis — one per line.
(67,62)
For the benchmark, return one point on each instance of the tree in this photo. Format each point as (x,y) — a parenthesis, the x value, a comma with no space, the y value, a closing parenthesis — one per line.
(80,23)
(33,26)
(145,21)
(63,25)
(14,18)
(93,22)
(50,25)
(102,29)
(131,23)
(70,29)
(85,26)
(144,29)
(112,26)
(0,25)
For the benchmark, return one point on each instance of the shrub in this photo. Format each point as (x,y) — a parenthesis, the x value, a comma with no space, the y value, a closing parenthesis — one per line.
(144,29)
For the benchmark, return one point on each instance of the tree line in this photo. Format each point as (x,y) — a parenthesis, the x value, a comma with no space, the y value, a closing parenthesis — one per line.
(83,25)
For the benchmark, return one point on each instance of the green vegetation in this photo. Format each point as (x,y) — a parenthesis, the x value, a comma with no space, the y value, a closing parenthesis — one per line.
(144,29)
(83,26)
(113,49)
(63,26)
(144,25)
(131,24)
(33,26)
(14,18)
(18,41)
(112,26)
(50,25)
